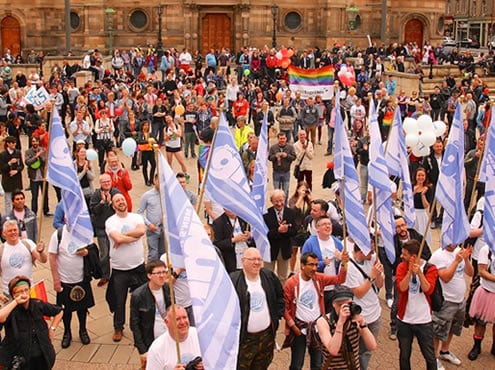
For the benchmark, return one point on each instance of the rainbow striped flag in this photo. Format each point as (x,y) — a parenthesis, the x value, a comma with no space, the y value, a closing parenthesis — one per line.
(312,82)
(38,290)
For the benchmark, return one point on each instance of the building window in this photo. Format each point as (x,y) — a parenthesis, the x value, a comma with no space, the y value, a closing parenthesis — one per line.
(75,21)
(483,7)
(293,21)
(138,20)
(449,7)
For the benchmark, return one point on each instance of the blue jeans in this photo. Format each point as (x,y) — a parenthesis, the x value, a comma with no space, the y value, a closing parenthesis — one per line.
(155,244)
(424,334)
(281,180)
(364,353)
(297,352)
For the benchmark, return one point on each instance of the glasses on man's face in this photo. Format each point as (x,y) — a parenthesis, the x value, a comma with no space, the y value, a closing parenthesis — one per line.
(159,273)
(18,198)
(311,264)
(324,224)
(253,259)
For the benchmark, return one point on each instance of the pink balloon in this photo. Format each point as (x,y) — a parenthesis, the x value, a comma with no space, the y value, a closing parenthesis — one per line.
(279,55)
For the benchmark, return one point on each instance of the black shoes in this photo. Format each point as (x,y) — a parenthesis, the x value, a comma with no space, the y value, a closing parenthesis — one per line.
(474,353)
(83,335)
(66,339)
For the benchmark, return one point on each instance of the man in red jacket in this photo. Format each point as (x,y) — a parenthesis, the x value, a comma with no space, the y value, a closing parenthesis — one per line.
(304,304)
(414,311)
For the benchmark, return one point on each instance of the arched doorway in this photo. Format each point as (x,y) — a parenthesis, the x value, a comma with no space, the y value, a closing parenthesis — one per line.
(216,32)
(11,35)
(413,32)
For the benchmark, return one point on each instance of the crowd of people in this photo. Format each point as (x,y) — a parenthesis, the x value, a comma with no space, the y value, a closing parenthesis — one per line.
(330,301)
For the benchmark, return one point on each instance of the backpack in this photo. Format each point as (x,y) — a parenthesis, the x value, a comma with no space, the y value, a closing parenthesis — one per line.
(436,297)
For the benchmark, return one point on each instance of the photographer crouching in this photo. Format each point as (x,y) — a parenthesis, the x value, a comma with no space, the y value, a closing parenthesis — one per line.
(340,331)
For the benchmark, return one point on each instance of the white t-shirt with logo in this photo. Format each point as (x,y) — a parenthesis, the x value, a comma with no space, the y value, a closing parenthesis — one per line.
(328,250)
(129,255)
(455,290)
(417,309)
(484,260)
(369,302)
(307,305)
(70,266)
(16,260)
(259,315)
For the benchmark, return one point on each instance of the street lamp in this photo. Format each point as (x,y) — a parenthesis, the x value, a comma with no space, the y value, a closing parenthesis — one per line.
(159,45)
(275,10)
(109,13)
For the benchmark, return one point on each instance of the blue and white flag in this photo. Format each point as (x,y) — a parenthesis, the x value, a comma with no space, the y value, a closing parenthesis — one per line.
(227,185)
(214,299)
(396,158)
(345,172)
(487,174)
(455,225)
(37,97)
(62,173)
(383,186)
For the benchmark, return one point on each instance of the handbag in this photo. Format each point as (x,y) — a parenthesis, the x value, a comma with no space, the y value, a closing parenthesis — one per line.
(297,167)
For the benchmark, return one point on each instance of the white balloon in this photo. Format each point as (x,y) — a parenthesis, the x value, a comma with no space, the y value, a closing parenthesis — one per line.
(439,127)
(410,126)
(412,140)
(91,155)
(428,138)
(421,150)
(425,123)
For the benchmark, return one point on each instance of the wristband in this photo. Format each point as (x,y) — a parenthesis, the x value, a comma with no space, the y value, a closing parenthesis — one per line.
(363,326)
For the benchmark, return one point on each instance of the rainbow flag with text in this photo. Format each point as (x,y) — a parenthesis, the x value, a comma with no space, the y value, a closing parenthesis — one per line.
(312,82)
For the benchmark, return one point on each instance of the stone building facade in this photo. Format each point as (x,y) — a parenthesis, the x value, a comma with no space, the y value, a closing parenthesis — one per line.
(202,24)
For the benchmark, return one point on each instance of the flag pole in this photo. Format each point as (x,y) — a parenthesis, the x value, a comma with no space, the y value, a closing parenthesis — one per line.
(427,227)
(475,184)
(45,170)
(167,254)
(342,191)
(207,167)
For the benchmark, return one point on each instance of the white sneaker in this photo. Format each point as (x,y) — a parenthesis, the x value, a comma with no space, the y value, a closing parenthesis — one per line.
(390,301)
(440,365)
(450,357)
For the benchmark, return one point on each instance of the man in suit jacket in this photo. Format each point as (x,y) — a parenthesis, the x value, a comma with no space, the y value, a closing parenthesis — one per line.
(232,238)
(281,223)
(11,166)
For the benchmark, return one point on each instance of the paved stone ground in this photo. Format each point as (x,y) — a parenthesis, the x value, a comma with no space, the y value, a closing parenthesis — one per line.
(103,354)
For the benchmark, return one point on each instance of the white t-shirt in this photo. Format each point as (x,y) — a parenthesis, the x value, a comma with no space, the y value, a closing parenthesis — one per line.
(160,312)
(484,260)
(130,255)
(182,291)
(163,356)
(455,289)
(417,309)
(328,249)
(369,302)
(70,266)
(16,260)
(240,247)
(476,223)
(307,306)
(259,315)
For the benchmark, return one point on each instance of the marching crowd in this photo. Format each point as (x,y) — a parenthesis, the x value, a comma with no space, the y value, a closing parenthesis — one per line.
(330,306)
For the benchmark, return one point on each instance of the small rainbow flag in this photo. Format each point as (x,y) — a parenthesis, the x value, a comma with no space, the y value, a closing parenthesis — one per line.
(38,291)
(312,82)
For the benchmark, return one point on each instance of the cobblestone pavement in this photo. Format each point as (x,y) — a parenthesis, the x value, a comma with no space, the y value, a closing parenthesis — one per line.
(103,354)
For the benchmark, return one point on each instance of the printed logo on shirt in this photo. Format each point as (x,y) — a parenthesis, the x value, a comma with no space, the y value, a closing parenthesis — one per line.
(308,299)
(256,302)
(125,228)
(17,260)
(414,285)
(459,271)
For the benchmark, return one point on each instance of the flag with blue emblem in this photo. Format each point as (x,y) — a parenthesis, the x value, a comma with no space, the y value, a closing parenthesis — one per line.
(396,158)
(214,299)
(383,186)
(227,185)
(259,182)
(487,175)
(455,225)
(345,172)
(62,173)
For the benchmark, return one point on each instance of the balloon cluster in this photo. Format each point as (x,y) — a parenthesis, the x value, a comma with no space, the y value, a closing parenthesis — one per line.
(283,57)
(422,133)
(347,75)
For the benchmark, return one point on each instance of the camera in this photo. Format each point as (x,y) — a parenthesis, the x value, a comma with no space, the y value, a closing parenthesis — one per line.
(307,191)
(17,362)
(191,365)
(355,309)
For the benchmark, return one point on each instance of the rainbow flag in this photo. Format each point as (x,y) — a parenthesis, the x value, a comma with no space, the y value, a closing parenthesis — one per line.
(38,291)
(312,82)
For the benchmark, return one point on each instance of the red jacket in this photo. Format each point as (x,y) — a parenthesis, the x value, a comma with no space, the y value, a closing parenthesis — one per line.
(122,181)
(291,293)
(431,276)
